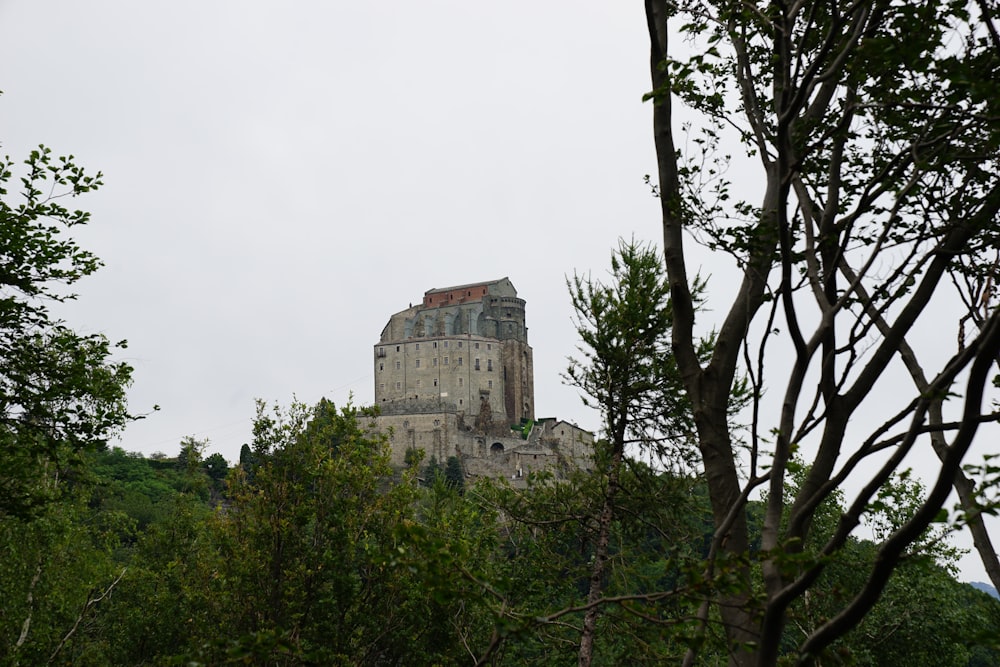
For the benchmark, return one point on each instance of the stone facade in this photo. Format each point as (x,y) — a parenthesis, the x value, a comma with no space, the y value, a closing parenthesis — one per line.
(463,349)
(455,373)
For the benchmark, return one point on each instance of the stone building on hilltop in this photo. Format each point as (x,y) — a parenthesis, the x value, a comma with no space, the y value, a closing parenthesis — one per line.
(454,377)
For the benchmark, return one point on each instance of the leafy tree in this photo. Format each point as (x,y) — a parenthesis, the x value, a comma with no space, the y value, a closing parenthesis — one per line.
(57,571)
(216,467)
(314,560)
(454,476)
(170,592)
(413,457)
(432,470)
(60,394)
(872,128)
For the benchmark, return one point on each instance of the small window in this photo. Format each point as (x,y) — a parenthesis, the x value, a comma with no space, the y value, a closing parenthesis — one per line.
(381,366)
(446,361)
(460,361)
(477,363)
(418,383)
(418,363)
(489,384)
(435,362)
(381,386)
(418,346)
(460,401)
(489,364)
(477,346)
(461,382)
(459,344)
(399,385)
(435,382)
(446,343)
(397,348)
(435,344)
(397,365)
(489,346)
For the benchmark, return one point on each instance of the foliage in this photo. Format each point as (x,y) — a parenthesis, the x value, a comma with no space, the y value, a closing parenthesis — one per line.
(454,476)
(54,573)
(312,560)
(60,394)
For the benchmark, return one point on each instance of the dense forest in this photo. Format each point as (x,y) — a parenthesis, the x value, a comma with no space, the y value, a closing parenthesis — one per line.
(312,550)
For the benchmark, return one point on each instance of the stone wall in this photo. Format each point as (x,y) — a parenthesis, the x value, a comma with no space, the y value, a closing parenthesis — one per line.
(496,452)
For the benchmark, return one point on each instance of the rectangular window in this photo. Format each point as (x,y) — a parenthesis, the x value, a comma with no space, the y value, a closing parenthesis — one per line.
(418,383)
(460,361)
(399,385)
(477,363)
(418,363)
(489,346)
(477,346)
(435,344)
(489,364)
(381,386)
(489,384)
(446,361)
(397,365)
(435,362)
(397,348)
(435,382)
(460,343)
(418,346)
(446,343)
(461,382)
(381,366)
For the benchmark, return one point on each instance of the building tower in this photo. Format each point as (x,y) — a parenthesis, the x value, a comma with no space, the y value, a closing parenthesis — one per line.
(463,349)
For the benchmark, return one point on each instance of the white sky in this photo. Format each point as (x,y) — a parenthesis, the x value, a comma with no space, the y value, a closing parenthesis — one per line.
(282,177)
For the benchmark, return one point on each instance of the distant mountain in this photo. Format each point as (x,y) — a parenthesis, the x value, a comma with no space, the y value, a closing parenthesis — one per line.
(986,588)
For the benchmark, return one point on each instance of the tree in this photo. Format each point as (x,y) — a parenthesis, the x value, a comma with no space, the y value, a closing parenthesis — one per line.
(592,551)
(454,476)
(189,458)
(313,552)
(873,129)
(216,467)
(60,394)
(625,329)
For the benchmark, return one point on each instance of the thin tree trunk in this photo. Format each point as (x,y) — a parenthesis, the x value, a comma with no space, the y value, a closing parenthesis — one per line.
(601,549)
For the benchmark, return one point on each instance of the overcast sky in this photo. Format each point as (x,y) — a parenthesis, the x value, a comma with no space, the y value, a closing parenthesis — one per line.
(282,177)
